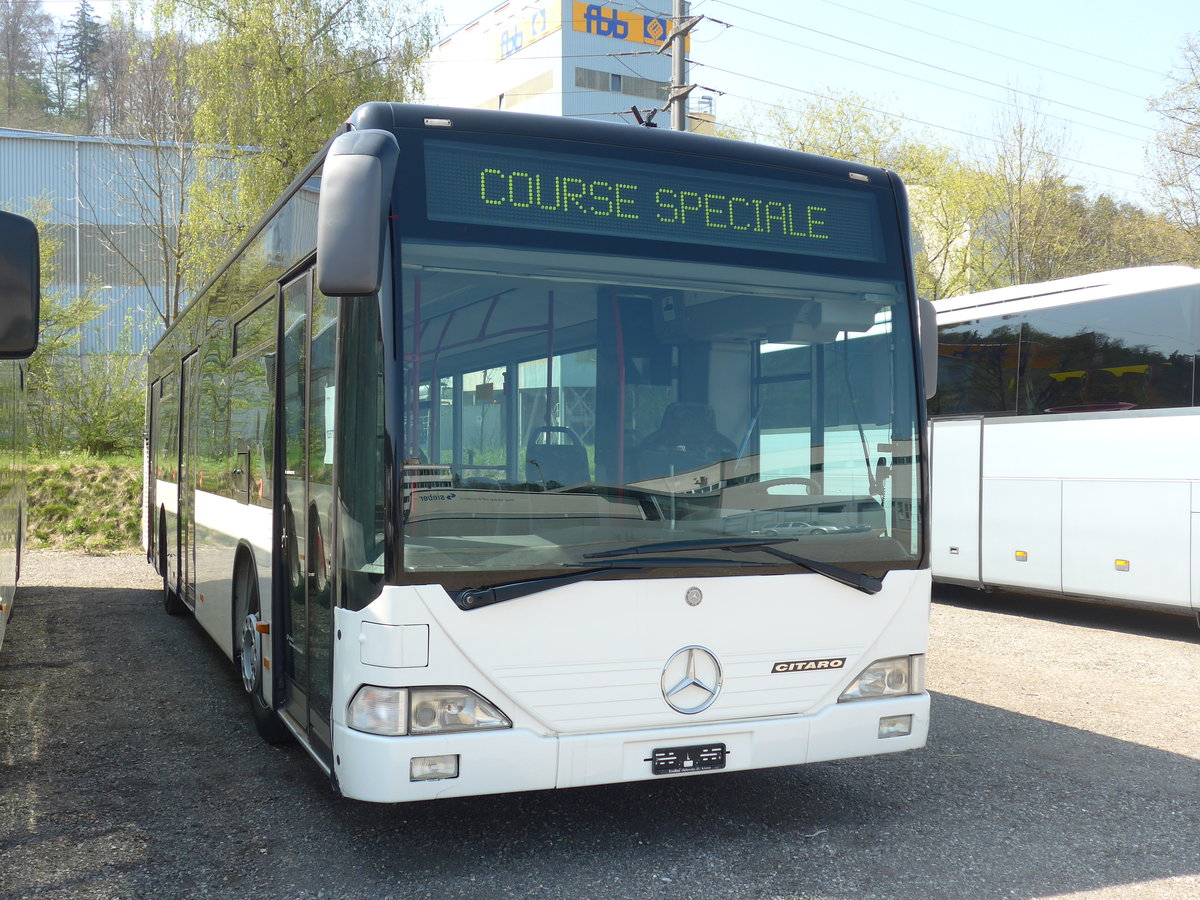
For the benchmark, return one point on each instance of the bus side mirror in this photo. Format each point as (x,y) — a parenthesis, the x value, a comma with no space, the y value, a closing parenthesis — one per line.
(20,286)
(352,211)
(927,320)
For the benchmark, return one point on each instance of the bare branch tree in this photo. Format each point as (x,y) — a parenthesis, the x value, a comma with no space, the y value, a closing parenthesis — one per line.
(1175,158)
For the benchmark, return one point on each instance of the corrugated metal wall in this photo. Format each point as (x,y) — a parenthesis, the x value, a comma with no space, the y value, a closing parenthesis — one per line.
(97,190)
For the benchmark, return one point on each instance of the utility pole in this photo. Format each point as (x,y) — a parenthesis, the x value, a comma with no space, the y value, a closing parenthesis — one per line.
(678,99)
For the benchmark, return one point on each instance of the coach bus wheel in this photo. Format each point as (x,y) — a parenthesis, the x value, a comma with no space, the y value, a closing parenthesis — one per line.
(171,602)
(247,647)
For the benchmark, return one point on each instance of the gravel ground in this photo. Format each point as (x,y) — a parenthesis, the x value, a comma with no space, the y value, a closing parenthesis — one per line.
(1064,761)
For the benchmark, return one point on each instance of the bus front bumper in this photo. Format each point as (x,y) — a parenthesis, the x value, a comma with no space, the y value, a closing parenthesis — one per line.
(380,769)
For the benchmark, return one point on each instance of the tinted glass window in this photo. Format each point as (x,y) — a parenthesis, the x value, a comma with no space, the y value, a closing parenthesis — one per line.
(1123,353)
(1134,352)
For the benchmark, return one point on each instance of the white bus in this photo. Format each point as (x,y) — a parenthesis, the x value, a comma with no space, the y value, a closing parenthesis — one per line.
(1066,438)
(514,452)
(20,299)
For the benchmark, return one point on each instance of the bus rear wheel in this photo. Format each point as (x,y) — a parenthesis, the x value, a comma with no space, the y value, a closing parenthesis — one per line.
(247,651)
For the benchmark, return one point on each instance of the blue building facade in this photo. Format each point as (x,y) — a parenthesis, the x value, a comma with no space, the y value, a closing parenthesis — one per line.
(107,201)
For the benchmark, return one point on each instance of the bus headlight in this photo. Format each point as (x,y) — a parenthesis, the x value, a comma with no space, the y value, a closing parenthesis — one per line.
(888,678)
(399,711)
(379,710)
(441,710)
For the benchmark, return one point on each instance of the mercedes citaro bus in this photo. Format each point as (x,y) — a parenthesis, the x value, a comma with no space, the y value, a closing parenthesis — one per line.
(481,457)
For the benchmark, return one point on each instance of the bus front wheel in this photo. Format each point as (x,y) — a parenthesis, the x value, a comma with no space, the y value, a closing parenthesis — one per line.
(247,646)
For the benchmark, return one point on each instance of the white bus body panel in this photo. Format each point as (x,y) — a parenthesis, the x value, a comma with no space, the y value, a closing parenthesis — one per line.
(222,525)
(1101,504)
(1022,517)
(954,541)
(578,670)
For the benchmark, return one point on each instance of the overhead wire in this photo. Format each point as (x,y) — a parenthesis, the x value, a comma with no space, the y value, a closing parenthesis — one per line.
(1141,179)
(969,134)
(990,52)
(948,71)
(938,84)
(932,82)
(1033,37)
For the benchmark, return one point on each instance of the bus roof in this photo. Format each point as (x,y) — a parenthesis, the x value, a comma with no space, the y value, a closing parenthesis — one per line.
(414,116)
(1063,291)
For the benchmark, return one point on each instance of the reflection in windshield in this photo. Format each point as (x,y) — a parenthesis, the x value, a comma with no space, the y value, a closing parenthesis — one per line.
(561,404)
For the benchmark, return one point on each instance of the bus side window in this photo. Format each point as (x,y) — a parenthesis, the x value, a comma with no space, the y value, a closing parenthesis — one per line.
(252,437)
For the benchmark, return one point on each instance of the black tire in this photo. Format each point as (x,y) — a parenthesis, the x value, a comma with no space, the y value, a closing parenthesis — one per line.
(247,658)
(171,602)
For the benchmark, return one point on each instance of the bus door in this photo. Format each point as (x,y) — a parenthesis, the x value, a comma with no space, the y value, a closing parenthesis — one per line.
(189,428)
(303,507)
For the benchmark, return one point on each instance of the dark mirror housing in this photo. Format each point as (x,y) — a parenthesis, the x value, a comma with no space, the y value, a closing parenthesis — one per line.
(352,210)
(20,286)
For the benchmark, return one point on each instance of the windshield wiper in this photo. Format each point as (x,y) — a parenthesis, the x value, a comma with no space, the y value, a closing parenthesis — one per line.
(857,580)
(473,598)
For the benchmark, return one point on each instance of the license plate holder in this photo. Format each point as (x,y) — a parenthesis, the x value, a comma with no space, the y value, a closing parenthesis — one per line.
(694,758)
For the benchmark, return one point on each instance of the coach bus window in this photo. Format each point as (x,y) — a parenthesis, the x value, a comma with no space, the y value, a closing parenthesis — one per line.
(977,367)
(1122,353)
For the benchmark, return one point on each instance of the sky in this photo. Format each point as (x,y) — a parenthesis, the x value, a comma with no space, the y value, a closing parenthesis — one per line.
(951,68)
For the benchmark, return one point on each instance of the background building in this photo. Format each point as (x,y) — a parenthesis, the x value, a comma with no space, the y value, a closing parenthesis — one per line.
(557,57)
(103,200)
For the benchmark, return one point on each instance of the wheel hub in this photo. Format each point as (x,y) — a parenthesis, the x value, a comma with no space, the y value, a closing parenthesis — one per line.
(250,654)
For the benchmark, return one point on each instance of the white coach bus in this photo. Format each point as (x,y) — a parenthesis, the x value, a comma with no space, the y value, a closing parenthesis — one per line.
(1066,439)
(514,452)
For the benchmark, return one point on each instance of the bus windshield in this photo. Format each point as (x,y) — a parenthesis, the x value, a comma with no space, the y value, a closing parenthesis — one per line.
(560,404)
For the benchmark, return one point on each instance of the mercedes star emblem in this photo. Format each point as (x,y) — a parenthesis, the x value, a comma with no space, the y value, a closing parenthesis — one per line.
(691,680)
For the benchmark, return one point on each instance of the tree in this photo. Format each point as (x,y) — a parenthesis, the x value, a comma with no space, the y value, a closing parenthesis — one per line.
(1011,215)
(276,78)
(1176,155)
(949,209)
(841,125)
(95,408)
(80,44)
(1033,234)
(1116,234)
(949,212)
(25,29)
(149,102)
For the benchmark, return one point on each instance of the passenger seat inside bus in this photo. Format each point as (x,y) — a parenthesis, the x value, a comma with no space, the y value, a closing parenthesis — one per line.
(686,439)
(559,464)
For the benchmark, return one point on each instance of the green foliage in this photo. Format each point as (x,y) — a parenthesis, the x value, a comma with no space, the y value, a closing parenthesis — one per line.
(274,80)
(1009,215)
(80,44)
(85,504)
(91,403)
(1177,146)
(843,126)
(25,30)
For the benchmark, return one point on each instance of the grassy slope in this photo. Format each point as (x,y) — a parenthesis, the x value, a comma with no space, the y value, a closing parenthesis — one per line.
(93,505)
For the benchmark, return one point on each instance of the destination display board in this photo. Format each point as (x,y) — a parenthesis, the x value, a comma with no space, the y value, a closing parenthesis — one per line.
(505,187)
